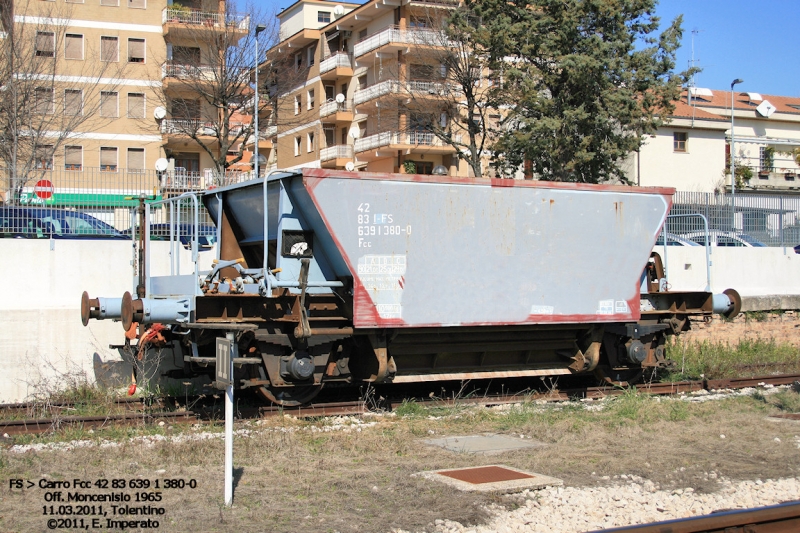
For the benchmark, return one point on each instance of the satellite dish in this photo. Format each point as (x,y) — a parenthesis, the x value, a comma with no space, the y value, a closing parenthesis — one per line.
(338,10)
(765,109)
(159,113)
(340,98)
(355,133)
(349,166)
(440,170)
(161,164)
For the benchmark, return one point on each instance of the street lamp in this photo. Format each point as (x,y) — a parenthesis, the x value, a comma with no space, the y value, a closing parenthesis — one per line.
(733,161)
(256,154)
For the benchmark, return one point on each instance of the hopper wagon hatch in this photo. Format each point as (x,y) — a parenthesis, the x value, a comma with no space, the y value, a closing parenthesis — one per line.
(339,277)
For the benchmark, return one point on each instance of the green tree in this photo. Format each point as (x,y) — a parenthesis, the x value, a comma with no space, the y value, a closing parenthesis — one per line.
(583,82)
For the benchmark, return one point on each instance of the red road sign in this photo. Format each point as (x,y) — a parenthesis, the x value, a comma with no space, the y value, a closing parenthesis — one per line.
(43,189)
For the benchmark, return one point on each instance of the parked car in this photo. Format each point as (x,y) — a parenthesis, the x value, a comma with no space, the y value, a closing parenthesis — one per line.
(674,240)
(206,237)
(46,223)
(724,238)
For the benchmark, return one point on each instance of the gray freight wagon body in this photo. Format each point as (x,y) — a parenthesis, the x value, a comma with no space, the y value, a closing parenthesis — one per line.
(379,277)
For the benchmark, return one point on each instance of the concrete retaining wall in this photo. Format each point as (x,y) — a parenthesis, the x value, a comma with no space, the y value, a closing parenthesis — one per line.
(42,340)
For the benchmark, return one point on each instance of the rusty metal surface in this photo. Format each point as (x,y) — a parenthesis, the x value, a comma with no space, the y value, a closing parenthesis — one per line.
(47,425)
(784,518)
(739,383)
(484,474)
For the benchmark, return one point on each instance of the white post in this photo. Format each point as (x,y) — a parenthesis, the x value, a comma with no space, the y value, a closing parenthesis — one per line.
(229,424)
(733,161)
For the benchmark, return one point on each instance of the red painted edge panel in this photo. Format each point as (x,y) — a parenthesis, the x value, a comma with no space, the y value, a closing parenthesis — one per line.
(493,182)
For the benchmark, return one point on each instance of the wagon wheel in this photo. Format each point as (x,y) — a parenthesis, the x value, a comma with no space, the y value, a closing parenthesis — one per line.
(619,377)
(290,396)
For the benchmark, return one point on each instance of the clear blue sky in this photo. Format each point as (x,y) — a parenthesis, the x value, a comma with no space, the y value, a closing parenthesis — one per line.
(755,40)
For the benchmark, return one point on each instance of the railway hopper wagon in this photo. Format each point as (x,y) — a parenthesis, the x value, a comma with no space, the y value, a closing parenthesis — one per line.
(327,277)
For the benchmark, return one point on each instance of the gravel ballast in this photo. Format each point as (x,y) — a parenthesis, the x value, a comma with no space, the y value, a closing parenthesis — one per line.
(631,501)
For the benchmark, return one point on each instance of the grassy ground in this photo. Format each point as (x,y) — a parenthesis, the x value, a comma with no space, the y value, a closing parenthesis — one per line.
(749,357)
(294,476)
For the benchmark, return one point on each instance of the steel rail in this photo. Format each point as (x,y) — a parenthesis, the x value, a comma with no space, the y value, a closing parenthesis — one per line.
(45,425)
(783,518)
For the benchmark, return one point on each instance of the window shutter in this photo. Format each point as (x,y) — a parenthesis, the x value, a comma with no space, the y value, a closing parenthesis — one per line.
(135,105)
(135,158)
(73,157)
(45,43)
(73,48)
(73,102)
(108,49)
(108,157)
(44,100)
(136,50)
(108,104)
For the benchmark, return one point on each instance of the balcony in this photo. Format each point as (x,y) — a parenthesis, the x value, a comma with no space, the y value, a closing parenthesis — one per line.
(333,111)
(412,142)
(376,91)
(388,41)
(336,66)
(336,156)
(269,132)
(186,22)
(416,89)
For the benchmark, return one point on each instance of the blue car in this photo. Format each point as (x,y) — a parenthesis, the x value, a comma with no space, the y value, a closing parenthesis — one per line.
(47,223)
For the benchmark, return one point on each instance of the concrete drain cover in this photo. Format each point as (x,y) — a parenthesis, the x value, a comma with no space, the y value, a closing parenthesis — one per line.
(490,479)
(483,444)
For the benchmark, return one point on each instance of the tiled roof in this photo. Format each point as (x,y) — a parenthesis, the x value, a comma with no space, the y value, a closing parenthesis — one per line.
(684,110)
(722,100)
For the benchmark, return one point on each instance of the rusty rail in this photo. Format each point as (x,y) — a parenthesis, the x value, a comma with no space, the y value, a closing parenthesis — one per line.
(45,425)
(783,518)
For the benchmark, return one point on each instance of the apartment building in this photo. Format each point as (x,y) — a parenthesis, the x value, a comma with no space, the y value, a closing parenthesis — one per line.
(131,69)
(370,87)
(691,151)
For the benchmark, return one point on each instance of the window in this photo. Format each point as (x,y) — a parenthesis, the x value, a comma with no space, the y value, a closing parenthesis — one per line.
(45,44)
(298,60)
(311,99)
(108,159)
(297,141)
(362,82)
(73,102)
(136,159)
(310,142)
(311,51)
(679,141)
(420,72)
(109,3)
(73,46)
(44,100)
(362,34)
(135,50)
(135,105)
(43,155)
(323,17)
(766,158)
(108,104)
(73,157)
(330,91)
(137,4)
(109,49)
(298,104)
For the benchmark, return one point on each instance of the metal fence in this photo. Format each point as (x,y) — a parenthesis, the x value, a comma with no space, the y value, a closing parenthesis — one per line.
(92,202)
(770,219)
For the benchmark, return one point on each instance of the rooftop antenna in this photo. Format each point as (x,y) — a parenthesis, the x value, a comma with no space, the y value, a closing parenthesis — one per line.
(692,84)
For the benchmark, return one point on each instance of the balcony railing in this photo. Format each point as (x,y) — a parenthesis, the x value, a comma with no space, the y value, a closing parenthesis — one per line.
(374,91)
(337,60)
(269,132)
(418,88)
(339,151)
(188,72)
(205,18)
(393,34)
(332,106)
(386,138)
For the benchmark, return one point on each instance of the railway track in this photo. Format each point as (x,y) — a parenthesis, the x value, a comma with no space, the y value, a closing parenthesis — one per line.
(784,518)
(137,416)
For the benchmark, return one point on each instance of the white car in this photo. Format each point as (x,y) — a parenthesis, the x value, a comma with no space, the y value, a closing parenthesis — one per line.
(724,238)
